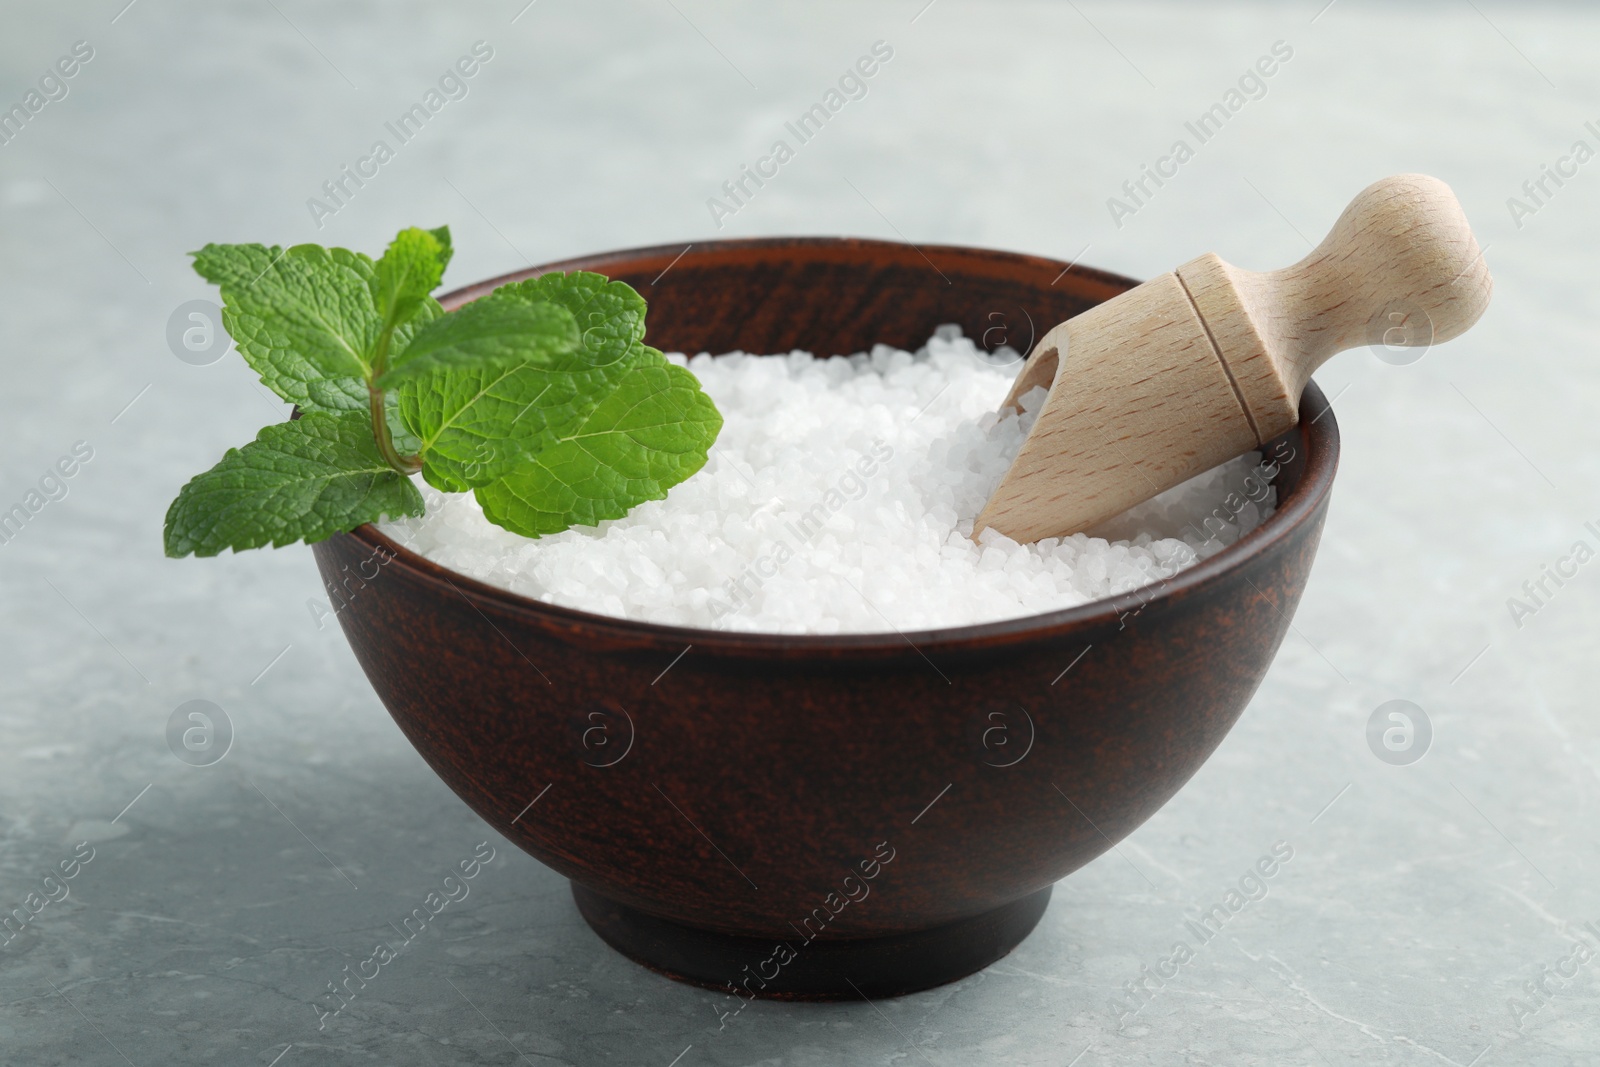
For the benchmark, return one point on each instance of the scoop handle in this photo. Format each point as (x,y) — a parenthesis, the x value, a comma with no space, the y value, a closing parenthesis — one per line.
(1402,240)
(1400,268)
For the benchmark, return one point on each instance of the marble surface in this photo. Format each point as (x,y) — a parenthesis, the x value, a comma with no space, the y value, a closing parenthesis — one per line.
(1421,900)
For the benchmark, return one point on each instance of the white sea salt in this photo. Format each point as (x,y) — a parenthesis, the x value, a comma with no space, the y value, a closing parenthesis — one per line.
(840,498)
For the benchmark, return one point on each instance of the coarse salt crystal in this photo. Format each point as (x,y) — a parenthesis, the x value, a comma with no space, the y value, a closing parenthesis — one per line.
(840,498)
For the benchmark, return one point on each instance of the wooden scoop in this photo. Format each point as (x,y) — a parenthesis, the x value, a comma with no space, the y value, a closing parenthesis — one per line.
(1194,367)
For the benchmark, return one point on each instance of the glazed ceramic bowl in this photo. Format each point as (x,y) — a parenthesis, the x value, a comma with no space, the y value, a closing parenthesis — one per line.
(826,816)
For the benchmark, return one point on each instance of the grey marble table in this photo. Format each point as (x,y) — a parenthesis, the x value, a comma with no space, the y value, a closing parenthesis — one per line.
(1431,913)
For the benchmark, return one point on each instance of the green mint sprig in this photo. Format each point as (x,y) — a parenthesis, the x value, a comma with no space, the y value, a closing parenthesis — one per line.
(541,398)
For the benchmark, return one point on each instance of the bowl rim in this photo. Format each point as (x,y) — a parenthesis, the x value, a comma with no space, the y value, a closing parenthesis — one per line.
(1320,436)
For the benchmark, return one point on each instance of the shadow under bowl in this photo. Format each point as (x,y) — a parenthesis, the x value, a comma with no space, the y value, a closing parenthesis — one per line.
(829,816)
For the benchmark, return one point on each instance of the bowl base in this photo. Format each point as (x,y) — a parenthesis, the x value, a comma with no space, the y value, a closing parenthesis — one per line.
(875,967)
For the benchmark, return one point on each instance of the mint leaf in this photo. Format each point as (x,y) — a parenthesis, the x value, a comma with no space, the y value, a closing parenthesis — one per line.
(297,481)
(442,235)
(303,318)
(425,313)
(610,315)
(333,395)
(410,270)
(651,432)
(405,442)
(486,331)
(474,423)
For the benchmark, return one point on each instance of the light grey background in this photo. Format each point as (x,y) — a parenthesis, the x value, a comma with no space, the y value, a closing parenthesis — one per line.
(1419,900)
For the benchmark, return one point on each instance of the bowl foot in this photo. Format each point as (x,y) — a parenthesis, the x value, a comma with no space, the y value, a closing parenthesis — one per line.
(817,970)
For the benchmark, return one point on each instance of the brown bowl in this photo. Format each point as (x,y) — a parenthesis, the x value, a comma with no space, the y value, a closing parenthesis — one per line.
(828,816)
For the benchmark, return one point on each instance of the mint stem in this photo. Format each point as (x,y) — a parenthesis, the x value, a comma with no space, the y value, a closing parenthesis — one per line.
(406,465)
